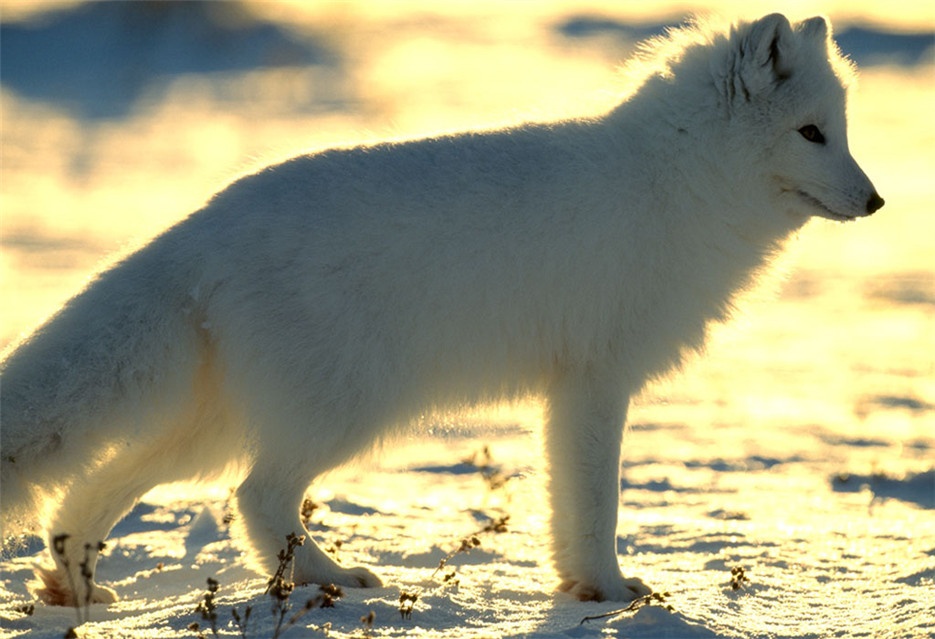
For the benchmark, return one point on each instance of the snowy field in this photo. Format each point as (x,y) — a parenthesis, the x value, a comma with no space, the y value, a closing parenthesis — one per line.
(795,460)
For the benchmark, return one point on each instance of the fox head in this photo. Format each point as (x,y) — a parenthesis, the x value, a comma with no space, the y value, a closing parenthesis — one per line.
(786,86)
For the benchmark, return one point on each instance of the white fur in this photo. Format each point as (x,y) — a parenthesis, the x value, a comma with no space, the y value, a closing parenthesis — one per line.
(312,306)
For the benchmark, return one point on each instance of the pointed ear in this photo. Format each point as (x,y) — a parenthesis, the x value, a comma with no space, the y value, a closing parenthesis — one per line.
(816,28)
(766,53)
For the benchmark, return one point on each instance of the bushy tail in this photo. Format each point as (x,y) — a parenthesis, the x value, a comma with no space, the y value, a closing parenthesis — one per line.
(17,502)
(87,379)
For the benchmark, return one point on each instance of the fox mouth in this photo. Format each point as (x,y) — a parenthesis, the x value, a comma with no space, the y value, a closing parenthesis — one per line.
(826,211)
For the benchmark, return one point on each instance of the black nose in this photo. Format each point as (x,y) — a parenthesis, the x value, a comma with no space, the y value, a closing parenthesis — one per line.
(875,203)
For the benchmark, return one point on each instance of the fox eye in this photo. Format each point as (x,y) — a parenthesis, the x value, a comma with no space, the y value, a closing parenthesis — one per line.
(812,133)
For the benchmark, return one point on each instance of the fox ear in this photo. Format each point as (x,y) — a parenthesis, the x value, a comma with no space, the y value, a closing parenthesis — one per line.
(766,53)
(816,28)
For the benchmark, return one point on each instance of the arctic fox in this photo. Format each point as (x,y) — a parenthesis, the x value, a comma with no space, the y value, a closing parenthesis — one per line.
(314,306)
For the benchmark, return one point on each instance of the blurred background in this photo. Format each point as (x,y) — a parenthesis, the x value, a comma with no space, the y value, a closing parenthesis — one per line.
(120,118)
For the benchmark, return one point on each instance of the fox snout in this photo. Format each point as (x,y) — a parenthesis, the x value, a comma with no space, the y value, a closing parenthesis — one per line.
(875,203)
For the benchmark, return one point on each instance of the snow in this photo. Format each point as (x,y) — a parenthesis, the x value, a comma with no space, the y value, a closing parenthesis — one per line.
(799,448)
(820,562)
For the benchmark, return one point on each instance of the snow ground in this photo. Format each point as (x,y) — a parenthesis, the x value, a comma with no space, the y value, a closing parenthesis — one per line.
(821,560)
(800,448)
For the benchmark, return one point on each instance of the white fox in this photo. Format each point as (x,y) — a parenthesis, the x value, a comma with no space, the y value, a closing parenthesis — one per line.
(311,308)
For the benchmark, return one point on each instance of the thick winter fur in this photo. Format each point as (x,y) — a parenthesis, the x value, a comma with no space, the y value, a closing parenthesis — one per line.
(314,305)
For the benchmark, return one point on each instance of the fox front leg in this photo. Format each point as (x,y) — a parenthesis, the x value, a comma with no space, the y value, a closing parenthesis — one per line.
(584,432)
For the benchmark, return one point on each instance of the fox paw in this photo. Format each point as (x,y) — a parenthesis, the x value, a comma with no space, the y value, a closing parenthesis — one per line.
(363,578)
(622,590)
(53,588)
(350,577)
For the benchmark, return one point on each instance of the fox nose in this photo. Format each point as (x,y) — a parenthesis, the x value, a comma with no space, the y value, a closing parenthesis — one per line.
(875,203)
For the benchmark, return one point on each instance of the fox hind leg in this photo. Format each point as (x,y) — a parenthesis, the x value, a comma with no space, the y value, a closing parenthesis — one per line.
(94,504)
(75,535)
(268,501)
